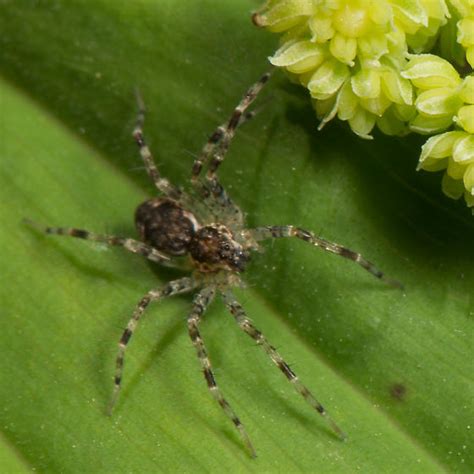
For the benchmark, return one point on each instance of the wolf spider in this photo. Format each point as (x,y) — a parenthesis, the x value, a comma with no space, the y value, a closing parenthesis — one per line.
(203,231)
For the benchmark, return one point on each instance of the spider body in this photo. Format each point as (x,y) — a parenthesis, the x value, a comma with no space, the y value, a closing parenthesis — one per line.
(168,227)
(203,231)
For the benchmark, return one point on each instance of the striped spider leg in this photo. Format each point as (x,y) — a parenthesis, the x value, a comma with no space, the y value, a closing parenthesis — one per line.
(278,231)
(248,327)
(162,184)
(175,287)
(200,304)
(132,245)
(213,154)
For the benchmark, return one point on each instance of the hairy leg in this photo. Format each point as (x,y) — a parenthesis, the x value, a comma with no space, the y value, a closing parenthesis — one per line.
(213,154)
(132,245)
(216,147)
(275,232)
(247,326)
(201,302)
(183,285)
(161,183)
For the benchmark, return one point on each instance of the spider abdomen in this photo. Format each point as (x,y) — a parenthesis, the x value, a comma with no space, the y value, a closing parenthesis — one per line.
(165,225)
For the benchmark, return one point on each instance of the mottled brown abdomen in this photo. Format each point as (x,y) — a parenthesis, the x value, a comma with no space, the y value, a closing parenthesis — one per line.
(165,225)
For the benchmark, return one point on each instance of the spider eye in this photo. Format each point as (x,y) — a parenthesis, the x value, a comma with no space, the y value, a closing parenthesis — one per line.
(240,260)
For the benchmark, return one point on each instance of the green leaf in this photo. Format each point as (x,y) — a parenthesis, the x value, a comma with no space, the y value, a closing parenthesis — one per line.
(10,460)
(393,367)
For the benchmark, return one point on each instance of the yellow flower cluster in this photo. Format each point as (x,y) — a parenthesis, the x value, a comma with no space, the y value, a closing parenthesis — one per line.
(349,54)
(362,61)
(452,150)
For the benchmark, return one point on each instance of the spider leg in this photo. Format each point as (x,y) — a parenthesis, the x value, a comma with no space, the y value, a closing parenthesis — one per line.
(134,246)
(213,154)
(183,285)
(246,325)
(201,302)
(235,120)
(224,204)
(274,232)
(216,139)
(223,134)
(161,183)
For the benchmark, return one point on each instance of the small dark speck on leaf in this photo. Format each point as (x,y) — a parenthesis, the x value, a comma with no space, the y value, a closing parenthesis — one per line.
(398,391)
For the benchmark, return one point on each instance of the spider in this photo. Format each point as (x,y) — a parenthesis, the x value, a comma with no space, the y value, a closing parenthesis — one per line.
(203,231)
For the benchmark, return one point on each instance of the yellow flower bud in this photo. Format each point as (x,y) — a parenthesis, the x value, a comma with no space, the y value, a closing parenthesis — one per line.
(343,48)
(427,71)
(467,90)
(463,150)
(373,47)
(366,83)
(410,15)
(327,80)
(321,28)
(469,198)
(453,188)
(299,57)
(390,124)
(440,146)
(470,55)
(377,105)
(439,102)
(396,88)
(468,179)
(362,123)
(455,152)
(465,118)
(352,20)
(428,125)
(455,170)
(466,31)
(281,15)
(347,102)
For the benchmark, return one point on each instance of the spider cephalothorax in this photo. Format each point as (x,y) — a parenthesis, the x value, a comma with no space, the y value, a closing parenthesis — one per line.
(214,248)
(206,229)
